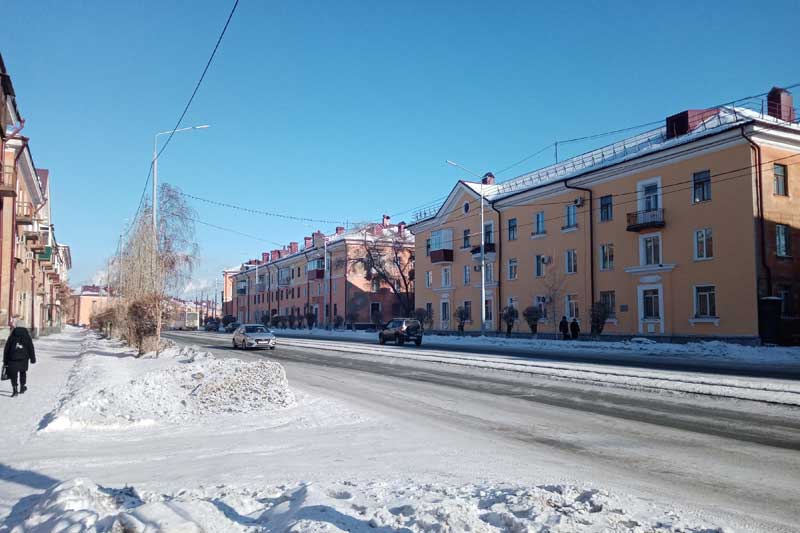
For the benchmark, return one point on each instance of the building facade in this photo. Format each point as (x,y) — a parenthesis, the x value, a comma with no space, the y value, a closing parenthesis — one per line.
(88,301)
(328,278)
(34,289)
(688,230)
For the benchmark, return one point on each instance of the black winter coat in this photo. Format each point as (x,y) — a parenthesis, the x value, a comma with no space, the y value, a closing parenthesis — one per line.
(563,327)
(19,350)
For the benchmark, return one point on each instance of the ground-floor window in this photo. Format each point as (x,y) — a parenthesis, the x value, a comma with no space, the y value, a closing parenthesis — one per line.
(541,303)
(705,301)
(445,312)
(375,310)
(608,299)
(572,306)
(468,309)
(488,310)
(650,303)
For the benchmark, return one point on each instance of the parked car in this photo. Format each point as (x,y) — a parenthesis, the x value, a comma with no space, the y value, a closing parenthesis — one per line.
(253,336)
(230,328)
(401,330)
(212,326)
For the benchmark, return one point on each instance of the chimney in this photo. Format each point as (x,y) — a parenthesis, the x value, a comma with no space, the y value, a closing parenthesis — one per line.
(308,242)
(318,239)
(401,229)
(488,179)
(779,104)
(339,230)
(265,257)
(385,222)
(293,247)
(686,121)
(276,254)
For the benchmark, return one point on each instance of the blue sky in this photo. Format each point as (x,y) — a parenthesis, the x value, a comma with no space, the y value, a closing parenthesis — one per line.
(347,110)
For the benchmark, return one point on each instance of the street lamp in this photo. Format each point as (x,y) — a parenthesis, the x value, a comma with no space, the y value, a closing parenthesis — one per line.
(483,248)
(155,169)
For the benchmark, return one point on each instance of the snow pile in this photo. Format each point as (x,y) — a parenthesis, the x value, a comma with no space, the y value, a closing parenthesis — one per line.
(373,507)
(109,389)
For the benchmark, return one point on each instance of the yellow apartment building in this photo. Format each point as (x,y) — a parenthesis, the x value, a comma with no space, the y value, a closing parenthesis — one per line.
(689,230)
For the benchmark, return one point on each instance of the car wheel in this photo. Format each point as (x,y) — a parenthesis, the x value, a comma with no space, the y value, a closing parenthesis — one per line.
(381,340)
(234,344)
(400,340)
(418,342)
(271,347)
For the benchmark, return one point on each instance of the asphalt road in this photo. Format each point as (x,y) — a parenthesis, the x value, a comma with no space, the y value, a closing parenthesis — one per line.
(736,460)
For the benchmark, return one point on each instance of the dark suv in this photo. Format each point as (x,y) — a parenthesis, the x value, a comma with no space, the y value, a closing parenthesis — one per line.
(401,330)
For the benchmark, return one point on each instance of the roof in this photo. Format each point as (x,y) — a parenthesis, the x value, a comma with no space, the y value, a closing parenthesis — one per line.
(655,140)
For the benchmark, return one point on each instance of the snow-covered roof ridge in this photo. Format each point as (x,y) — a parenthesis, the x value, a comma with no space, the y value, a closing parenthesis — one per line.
(722,118)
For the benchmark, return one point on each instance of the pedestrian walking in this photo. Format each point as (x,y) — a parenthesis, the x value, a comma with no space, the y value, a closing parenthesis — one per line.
(574,329)
(16,355)
(563,327)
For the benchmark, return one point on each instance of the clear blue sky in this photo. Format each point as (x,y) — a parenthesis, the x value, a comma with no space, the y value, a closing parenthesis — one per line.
(347,110)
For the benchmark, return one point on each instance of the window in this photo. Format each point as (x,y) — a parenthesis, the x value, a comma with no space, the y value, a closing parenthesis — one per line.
(782,238)
(512,229)
(571,261)
(607,256)
(445,311)
(429,309)
(376,285)
(375,310)
(651,249)
(702,186)
(512,269)
(572,306)
(541,303)
(427,247)
(570,216)
(703,244)
(333,289)
(650,197)
(606,208)
(487,306)
(513,301)
(705,301)
(781,180)
(489,274)
(488,233)
(608,299)
(785,294)
(442,239)
(650,304)
(428,279)
(539,266)
(466,207)
(539,224)
(446,277)
(466,274)
(468,309)
(465,244)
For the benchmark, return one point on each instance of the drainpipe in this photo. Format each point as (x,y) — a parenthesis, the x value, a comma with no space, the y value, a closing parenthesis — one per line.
(760,195)
(33,300)
(14,234)
(591,237)
(499,252)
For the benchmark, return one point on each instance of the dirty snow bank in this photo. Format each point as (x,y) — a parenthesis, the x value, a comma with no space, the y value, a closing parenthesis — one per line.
(108,388)
(375,507)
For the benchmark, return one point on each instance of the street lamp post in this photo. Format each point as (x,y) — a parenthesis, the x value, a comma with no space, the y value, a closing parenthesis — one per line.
(155,169)
(483,248)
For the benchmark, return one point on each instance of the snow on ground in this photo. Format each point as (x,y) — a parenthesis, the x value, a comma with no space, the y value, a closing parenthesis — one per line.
(110,388)
(638,345)
(81,505)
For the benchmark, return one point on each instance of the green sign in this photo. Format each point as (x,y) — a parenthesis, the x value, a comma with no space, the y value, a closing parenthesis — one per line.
(46,254)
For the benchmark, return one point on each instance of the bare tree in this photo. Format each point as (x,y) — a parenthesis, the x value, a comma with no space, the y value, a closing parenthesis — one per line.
(553,284)
(461,314)
(389,257)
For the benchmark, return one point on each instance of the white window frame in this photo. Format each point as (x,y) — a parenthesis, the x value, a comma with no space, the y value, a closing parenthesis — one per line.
(447,276)
(466,274)
(694,304)
(643,253)
(570,208)
(515,271)
(441,239)
(489,223)
(444,318)
(489,270)
(516,229)
(567,263)
(488,305)
(568,311)
(640,306)
(704,232)
(785,183)
(539,266)
(640,186)
(541,302)
(428,279)
(536,224)
(787,237)
(603,249)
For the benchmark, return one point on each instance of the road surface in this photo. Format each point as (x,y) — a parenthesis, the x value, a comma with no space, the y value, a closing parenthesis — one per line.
(734,462)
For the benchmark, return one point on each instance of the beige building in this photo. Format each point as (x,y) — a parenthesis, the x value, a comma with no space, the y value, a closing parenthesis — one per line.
(33,264)
(86,302)
(689,230)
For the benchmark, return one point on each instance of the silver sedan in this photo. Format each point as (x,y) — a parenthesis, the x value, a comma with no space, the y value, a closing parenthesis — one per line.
(253,336)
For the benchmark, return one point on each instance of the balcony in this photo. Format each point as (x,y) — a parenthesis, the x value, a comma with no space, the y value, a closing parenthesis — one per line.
(241,290)
(442,256)
(7,185)
(489,251)
(639,220)
(317,273)
(24,213)
(261,287)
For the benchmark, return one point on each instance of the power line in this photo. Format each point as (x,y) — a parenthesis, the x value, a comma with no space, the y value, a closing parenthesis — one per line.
(237,232)
(258,211)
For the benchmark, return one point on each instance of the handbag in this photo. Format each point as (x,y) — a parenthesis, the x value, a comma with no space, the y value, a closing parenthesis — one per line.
(4,373)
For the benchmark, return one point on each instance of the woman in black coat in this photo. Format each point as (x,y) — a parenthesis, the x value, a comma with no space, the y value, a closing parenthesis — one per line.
(18,351)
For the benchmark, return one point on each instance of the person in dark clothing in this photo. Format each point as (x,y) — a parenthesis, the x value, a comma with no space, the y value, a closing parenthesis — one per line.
(563,327)
(16,355)
(574,328)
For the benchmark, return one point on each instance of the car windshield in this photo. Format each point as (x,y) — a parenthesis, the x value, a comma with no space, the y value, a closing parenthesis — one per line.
(255,329)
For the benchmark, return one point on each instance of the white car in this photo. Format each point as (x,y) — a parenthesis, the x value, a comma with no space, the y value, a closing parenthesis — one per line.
(253,336)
